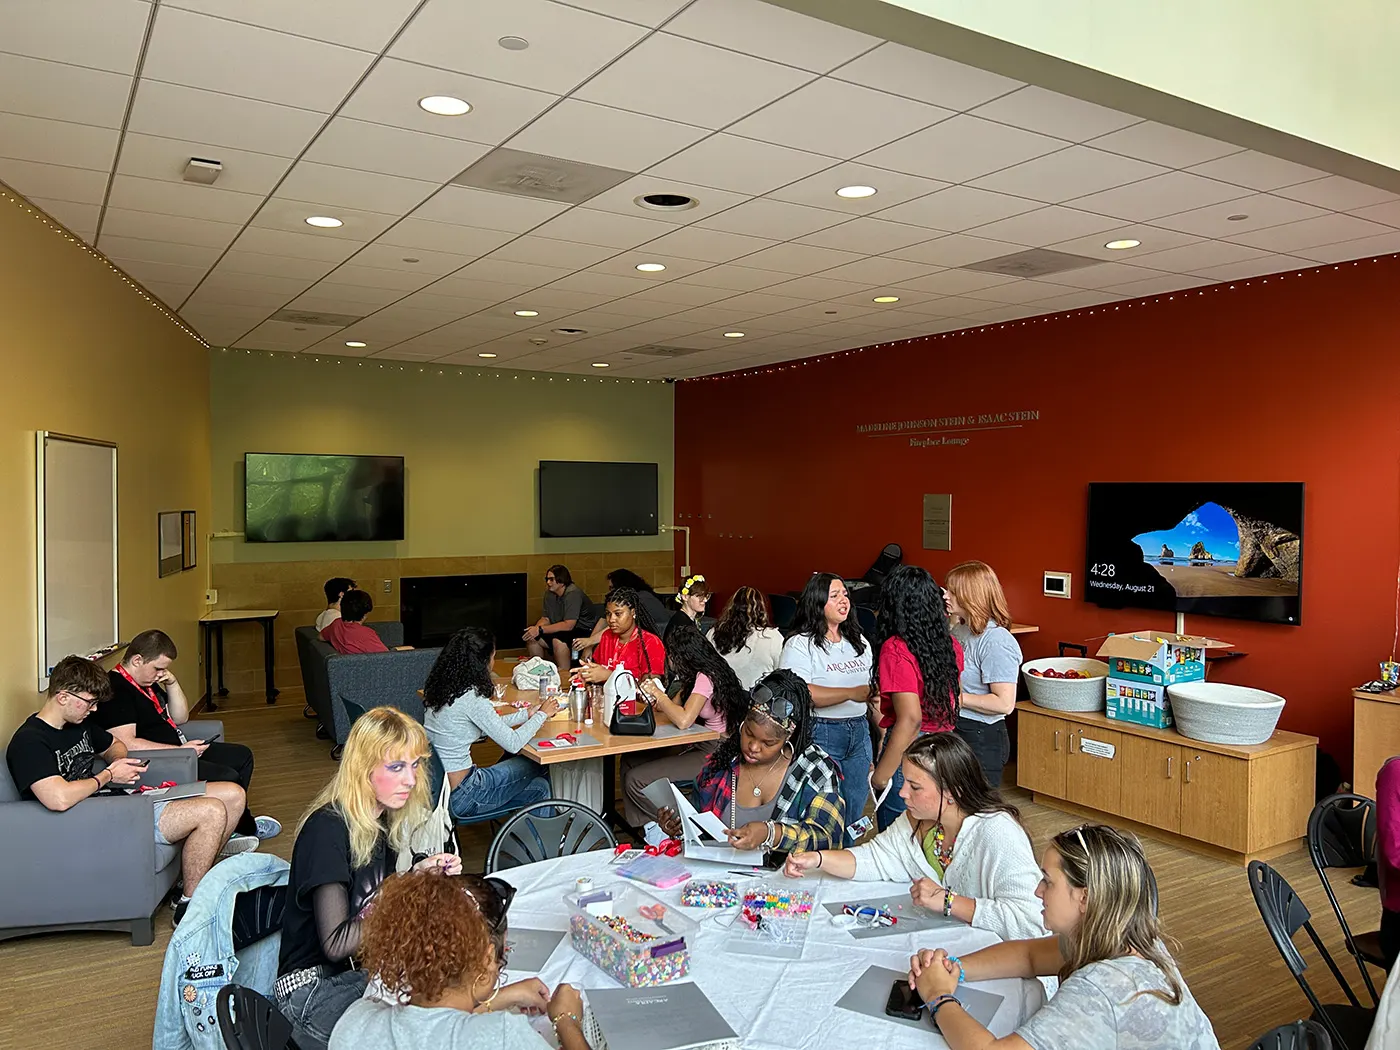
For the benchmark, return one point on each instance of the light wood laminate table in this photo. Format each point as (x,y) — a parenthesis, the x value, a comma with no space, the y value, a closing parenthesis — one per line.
(1376,725)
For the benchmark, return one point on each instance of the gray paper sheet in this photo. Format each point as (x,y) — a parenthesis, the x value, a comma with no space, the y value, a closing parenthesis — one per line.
(528,950)
(671,1016)
(665,730)
(871,992)
(912,918)
(584,740)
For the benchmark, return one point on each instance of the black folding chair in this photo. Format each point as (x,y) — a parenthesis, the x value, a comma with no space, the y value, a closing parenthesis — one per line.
(1300,1035)
(1284,914)
(552,828)
(250,1021)
(784,610)
(1342,834)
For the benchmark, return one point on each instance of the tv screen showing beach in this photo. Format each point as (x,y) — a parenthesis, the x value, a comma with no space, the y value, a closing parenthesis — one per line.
(1218,549)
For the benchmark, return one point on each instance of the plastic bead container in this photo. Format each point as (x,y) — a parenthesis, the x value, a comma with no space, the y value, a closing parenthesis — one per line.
(630,935)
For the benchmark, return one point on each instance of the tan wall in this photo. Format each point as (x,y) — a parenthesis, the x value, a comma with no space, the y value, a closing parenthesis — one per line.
(85,354)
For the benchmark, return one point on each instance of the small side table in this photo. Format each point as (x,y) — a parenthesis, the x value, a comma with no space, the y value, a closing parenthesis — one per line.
(213,627)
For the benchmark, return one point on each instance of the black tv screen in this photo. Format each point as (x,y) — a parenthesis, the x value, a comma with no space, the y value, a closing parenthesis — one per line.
(1213,548)
(597,499)
(312,498)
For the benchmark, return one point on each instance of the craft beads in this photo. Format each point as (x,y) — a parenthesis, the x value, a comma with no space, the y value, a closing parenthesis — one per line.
(783,902)
(705,893)
(626,954)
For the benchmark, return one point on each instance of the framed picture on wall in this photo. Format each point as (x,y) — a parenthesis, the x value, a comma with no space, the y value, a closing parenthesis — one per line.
(189,540)
(169,528)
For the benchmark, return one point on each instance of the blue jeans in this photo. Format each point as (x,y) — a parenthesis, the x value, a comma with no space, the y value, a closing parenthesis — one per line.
(314,1008)
(847,741)
(512,783)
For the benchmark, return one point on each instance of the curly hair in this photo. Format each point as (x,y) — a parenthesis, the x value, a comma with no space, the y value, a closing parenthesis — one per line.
(745,615)
(628,578)
(911,609)
(811,614)
(784,685)
(689,655)
(463,666)
(424,936)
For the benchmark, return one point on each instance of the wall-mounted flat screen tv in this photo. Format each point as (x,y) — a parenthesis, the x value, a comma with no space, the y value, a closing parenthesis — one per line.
(597,499)
(314,499)
(1213,548)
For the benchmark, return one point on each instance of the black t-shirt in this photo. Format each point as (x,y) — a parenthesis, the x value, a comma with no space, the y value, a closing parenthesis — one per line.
(38,751)
(130,706)
(321,856)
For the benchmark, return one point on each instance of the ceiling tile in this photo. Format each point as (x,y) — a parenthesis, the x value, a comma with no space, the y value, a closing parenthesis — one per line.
(627,306)
(681,293)
(211,294)
(171,294)
(1258,171)
(643,12)
(98,34)
(57,142)
(749,305)
(290,287)
(1076,300)
(838,119)
(771,32)
(152,157)
(443,237)
(694,242)
(174,229)
(1163,285)
(566,44)
(1388,213)
(1165,145)
(613,138)
(80,218)
(365,298)
(390,94)
(236,59)
(1068,173)
(335,187)
(280,335)
(955,282)
(364,24)
(605,229)
(282,213)
(285,243)
(1337,193)
(955,250)
(775,219)
(730,162)
(600,283)
(929,78)
(962,148)
(182,198)
(625,265)
(1199,256)
(958,208)
(891,188)
(1016,291)
(1103,275)
(546,251)
(816,288)
(736,277)
(403,281)
(526,275)
(1260,210)
(1050,113)
(366,146)
(332,304)
(879,271)
(622,199)
(1258,266)
(1153,238)
(868,236)
(237,261)
(798,258)
(1325,229)
(694,83)
(1046,226)
(464,206)
(192,115)
(1364,248)
(160,272)
(393,257)
(56,91)
(1168,194)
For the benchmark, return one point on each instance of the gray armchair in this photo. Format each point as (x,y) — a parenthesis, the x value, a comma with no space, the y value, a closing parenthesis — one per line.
(95,867)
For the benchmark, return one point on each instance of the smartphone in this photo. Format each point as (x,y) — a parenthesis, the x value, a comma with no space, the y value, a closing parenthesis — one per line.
(211,739)
(775,859)
(904,1002)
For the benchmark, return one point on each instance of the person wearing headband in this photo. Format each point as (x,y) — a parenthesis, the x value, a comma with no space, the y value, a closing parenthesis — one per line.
(772,786)
(693,596)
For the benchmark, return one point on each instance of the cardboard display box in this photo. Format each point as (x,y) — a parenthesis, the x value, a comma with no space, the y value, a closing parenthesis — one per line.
(1142,664)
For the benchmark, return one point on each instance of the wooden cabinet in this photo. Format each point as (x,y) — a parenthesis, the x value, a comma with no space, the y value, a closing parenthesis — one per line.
(1376,725)
(1236,801)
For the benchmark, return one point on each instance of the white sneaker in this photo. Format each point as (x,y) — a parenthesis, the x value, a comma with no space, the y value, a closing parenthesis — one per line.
(239,844)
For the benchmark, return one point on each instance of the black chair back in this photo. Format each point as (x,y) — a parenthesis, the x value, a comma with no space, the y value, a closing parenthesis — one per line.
(249,1021)
(866,618)
(552,828)
(1342,834)
(890,558)
(1300,1035)
(784,608)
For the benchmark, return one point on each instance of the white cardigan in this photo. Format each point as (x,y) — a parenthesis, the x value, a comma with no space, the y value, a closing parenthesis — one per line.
(992,862)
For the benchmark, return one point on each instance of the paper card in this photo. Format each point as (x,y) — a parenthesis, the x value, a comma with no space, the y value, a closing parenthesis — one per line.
(871,992)
(693,823)
(658,793)
(528,950)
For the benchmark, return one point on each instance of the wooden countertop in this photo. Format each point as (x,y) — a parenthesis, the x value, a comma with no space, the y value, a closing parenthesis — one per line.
(1282,740)
(1024,628)
(1391,697)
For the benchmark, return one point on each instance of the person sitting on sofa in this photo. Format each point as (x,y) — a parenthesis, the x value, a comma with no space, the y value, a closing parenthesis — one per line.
(567,616)
(348,633)
(336,589)
(147,709)
(52,754)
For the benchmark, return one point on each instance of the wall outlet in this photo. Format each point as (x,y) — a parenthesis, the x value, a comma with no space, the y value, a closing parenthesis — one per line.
(388,586)
(211,597)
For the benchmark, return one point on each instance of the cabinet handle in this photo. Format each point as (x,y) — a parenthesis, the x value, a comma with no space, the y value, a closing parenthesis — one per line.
(1071,744)
(1169,766)
(1057,740)
(1188,771)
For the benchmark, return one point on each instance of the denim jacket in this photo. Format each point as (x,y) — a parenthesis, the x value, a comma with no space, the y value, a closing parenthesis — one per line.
(200,959)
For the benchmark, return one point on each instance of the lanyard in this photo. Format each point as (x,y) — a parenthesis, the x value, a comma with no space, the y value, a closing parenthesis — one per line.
(149,694)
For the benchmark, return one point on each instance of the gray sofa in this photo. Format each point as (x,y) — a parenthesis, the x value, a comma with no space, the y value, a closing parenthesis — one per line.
(95,867)
(369,679)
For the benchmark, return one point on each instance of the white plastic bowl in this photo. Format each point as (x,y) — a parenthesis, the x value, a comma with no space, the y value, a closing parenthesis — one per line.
(1067,694)
(1224,714)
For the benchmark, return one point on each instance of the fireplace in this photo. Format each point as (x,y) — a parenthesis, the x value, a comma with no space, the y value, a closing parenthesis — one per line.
(433,608)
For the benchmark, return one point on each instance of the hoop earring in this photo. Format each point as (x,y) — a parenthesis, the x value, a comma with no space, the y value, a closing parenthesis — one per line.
(791,751)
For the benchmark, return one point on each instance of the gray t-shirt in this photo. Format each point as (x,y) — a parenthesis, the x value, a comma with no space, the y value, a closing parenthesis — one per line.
(992,656)
(1096,1010)
(567,606)
(373,1025)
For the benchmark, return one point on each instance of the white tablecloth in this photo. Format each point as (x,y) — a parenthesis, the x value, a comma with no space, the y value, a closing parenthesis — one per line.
(773,1004)
(1385,1032)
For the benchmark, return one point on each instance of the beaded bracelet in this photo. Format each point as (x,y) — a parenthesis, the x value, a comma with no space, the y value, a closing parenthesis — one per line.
(948,903)
(962,975)
(554,1022)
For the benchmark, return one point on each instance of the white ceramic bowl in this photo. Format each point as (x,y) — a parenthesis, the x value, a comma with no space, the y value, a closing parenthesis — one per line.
(1224,714)
(1067,694)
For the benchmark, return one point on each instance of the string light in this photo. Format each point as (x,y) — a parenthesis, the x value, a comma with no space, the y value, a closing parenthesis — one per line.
(307,359)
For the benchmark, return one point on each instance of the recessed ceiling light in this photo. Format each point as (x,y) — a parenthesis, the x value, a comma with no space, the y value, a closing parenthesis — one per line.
(1118,246)
(885,299)
(445,105)
(410,259)
(513,43)
(733,335)
(856,192)
(1239,216)
(570,331)
(355,342)
(651,267)
(485,355)
(665,201)
(600,364)
(527,313)
(325,222)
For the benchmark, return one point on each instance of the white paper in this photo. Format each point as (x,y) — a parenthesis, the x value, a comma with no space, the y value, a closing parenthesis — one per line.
(1097,748)
(692,822)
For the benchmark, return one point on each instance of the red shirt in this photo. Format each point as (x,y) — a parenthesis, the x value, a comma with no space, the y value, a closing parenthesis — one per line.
(610,652)
(899,673)
(348,638)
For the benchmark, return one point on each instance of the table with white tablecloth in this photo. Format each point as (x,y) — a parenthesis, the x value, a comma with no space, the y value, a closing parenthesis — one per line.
(1385,1032)
(771,1003)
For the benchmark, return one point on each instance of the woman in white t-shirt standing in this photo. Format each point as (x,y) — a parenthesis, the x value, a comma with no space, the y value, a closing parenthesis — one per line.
(991,662)
(829,653)
(746,638)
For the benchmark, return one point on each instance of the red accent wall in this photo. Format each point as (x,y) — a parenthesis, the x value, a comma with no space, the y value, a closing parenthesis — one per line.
(1291,378)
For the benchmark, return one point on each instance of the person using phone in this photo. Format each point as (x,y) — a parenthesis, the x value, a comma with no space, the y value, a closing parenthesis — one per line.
(1119,986)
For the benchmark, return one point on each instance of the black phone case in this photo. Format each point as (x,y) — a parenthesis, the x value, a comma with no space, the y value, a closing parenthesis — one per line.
(903,1002)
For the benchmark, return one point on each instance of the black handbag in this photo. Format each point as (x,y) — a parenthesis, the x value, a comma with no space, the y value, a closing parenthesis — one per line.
(642,719)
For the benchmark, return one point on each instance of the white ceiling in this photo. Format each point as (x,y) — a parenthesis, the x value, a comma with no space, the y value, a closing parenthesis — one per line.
(759,113)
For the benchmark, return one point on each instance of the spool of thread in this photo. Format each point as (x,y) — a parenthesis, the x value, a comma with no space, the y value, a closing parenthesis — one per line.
(583,884)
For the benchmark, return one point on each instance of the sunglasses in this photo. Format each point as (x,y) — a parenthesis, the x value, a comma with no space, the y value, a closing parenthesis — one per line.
(493,896)
(779,709)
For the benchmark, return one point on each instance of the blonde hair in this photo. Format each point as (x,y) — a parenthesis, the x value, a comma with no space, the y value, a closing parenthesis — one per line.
(380,734)
(1120,912)
(976,587)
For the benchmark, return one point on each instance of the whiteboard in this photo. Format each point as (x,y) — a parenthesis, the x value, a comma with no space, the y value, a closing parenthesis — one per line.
(77,548)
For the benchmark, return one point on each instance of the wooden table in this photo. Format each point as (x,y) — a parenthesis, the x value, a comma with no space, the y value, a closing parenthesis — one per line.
(1024,628)
(1376,722)
(212,624)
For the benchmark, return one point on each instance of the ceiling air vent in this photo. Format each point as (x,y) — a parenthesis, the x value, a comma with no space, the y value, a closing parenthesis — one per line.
(304,317)
(546,178)
(1037,262)
(664,351)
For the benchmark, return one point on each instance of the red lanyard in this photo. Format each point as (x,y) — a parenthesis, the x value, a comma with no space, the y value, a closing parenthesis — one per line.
(149,694)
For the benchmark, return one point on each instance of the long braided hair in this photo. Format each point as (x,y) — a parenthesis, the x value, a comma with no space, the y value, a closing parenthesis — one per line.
(785,685)
(627,597)
(911,609)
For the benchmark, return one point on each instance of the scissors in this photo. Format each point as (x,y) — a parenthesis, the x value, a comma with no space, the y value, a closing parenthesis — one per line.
(655,912)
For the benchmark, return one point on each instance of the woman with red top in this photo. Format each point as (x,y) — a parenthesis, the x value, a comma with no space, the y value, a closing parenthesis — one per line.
(630,641)
(916,676)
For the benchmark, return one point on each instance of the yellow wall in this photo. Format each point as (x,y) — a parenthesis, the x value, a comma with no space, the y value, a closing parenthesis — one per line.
(84,354)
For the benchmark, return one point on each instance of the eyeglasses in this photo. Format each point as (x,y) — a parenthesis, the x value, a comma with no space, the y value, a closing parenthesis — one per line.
(90,701)
(493,896)
(779,709)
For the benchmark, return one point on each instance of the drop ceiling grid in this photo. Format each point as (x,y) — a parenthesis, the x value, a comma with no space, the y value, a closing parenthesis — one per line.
(822,105)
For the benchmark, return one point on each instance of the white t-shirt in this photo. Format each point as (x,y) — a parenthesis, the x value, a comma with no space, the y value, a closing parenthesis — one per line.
(756,657)
(837,666)
(327,616)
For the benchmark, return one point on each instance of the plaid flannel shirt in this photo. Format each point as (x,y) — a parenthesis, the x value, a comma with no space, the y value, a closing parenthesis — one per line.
(807,813)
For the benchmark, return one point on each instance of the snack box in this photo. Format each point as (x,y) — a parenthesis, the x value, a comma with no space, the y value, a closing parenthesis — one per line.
(630,935)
